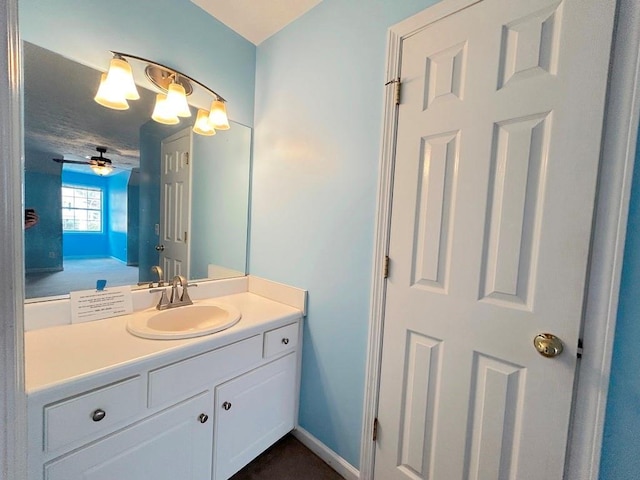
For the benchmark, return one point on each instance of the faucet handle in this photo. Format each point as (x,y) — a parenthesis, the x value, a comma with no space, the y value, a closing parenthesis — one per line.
(163,303)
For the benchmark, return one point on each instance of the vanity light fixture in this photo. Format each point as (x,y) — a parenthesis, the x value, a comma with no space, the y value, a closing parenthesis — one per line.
(117,87)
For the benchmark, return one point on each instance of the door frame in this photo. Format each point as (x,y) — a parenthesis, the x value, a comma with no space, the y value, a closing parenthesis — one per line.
(622,113)
(13,410)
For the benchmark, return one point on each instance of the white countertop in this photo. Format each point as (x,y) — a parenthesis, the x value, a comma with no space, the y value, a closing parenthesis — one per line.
(65,353)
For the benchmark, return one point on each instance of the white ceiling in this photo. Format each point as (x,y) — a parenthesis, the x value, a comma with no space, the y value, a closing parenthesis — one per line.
(256,20)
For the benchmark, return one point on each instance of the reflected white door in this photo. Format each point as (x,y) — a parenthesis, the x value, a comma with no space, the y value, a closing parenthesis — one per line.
(175,204)
(496,164)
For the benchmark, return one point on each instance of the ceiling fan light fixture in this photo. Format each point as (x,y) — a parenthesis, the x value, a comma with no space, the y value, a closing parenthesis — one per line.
(177,100)
(101,170)
(202,125)
(218,115)
(109,97)
(120,78)
(162,112)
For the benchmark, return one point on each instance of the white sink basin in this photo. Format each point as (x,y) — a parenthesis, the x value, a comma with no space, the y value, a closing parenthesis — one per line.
(184,322)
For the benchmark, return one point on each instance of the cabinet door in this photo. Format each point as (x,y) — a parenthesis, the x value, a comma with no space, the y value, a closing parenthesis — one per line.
(173,444)
(252,412)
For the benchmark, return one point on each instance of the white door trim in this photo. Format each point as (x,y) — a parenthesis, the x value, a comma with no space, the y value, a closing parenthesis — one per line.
(185,132)
(13,415)
(612,205)
(610,227)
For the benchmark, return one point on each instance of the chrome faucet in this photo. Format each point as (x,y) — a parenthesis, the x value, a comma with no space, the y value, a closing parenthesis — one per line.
(175,300)
(184,297)
(157,269)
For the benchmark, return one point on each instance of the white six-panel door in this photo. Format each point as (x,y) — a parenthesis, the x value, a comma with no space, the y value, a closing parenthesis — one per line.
(496,165)
(175,204)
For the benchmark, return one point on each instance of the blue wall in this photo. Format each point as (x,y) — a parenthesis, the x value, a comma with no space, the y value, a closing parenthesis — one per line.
(118,214)
(621,442)
(43,242)
(174,32)
(319,91)
(133,217)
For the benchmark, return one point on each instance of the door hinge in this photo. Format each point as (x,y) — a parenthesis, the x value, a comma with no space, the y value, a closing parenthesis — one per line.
(185,237)
(375,429)
(186,156)
(385,268)
(580,348)
(397,85)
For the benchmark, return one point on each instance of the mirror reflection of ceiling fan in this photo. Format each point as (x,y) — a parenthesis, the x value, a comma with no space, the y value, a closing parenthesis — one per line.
(99,164)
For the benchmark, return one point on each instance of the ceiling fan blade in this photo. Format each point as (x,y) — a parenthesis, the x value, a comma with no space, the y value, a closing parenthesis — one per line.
(62,160)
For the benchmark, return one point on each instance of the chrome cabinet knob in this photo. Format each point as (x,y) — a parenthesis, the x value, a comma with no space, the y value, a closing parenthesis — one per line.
(548,345)
(98,415)
(203,418)
(285,341)
(226,405)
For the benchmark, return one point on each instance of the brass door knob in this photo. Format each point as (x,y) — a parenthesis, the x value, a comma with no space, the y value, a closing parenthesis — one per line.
(548,345)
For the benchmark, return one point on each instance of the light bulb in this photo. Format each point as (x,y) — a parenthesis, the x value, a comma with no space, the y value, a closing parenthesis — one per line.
(202,125)
(162,112)
(177,100)
(101,170)
(218,115)
(120,78)
(109,97)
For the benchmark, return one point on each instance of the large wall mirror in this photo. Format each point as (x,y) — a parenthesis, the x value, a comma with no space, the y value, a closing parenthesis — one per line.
(109,227)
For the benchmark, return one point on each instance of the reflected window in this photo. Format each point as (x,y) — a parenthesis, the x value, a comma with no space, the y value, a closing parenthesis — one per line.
(81,209)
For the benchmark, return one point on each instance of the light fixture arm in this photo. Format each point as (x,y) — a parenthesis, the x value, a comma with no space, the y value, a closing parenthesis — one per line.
(179,76)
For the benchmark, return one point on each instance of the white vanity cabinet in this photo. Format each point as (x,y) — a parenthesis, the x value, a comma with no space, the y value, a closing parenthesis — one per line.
(173,444)
(252,412)
(201,416)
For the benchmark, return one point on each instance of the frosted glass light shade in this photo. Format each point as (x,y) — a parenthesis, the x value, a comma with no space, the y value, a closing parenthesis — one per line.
(202,125)
(162,112)
(218,116)
(108,97)
(177,100)
(120,78)
(101,170)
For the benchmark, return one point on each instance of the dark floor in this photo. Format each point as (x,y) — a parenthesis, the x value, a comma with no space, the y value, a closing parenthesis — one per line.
(287,460)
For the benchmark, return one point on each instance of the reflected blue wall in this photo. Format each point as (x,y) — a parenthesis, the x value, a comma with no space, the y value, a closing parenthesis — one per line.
(133,217)
(43,242)
(117,227)
(220,200)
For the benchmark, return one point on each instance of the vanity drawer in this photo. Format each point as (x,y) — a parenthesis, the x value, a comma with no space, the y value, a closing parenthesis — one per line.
(172,383)
(92,414)
(280,340)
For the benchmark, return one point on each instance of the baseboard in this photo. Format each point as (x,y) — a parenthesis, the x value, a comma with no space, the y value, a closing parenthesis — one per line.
(29,271)
(331,458)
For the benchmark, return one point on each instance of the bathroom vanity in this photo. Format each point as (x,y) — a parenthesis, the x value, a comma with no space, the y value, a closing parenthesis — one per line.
(105,404)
